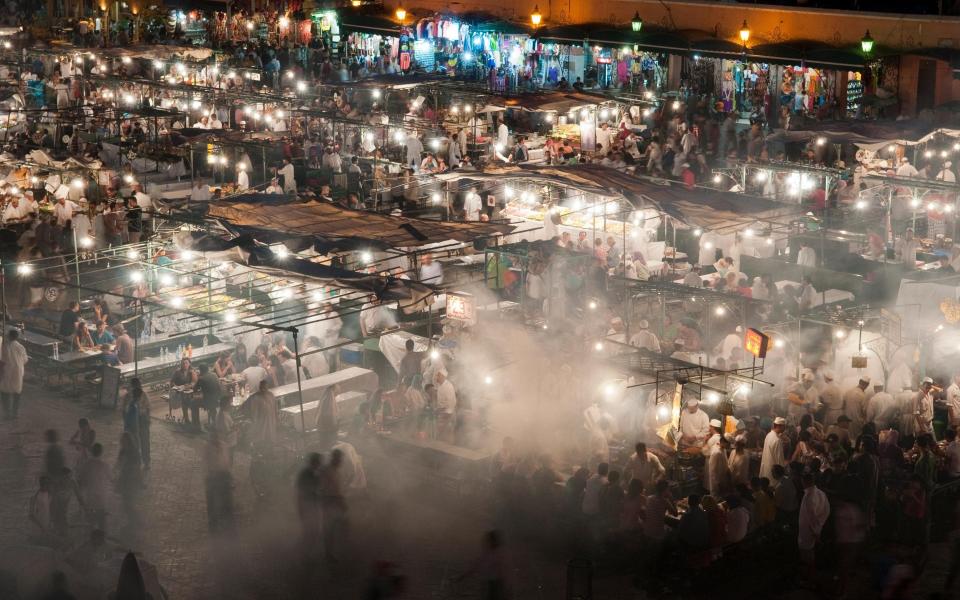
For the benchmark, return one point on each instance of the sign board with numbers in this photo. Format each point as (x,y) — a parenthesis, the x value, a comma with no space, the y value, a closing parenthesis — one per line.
(756,342)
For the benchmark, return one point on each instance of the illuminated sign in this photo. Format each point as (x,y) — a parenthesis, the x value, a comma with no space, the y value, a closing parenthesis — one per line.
(756,343)
(461,307)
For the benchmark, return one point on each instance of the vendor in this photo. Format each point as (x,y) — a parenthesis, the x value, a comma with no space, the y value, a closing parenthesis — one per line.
(694,425)
(905,249)
(713,437)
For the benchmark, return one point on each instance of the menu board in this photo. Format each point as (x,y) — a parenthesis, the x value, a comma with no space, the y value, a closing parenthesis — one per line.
(109,387)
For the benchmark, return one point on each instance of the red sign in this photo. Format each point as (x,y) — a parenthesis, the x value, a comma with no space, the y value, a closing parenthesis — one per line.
(756,343)
(461,307)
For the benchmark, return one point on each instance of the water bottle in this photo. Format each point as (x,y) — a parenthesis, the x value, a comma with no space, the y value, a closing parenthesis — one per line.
(56,350)
(204,341)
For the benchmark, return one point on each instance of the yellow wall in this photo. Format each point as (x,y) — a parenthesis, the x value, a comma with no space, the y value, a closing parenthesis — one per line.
(767,24)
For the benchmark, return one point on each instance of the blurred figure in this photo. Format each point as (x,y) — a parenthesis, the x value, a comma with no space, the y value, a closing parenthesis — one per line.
(93,478)
(308,504)
(333,506)
(129,478)
(490,568)
(219,484)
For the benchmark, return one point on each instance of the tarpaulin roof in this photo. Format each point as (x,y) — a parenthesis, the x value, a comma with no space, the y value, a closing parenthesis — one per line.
(868,134)
(555,101)
(699,207)
(331,221)
(366,23)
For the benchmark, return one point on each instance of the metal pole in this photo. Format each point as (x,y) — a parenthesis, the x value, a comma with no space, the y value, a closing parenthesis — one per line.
(76,258)
(296,353)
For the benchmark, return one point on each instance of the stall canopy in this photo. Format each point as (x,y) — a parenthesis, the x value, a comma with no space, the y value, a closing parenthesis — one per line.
(867,134)
(367,23)
(706,208)
(556,101)
(332,222)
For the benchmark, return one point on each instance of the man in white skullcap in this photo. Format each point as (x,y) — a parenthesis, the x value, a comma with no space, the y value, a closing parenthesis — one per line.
(832,399)
(732,340)
(923,408)
(713,437)
(718,469)
(773,449)
(808,400)
(645,338)
(694,425)
(882,409)
(946,173)
(855,405)
(906,169)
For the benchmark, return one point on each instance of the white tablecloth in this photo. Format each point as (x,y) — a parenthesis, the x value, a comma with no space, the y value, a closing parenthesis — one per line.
(350,380)
(393,346)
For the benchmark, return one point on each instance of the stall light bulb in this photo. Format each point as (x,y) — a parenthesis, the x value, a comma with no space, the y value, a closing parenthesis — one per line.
(434,354)
(195,105)
(604,114)
(284,22)
(467,108)
(301,86)
(769,241)
(24,269)
(136,276)
(436,198)
(282,252)
(840,334)
(708,245)
(176,302)
(956,147)
(748,232)
(662,412)
(944,154)
(778,343)
(592,305)
(86,241)
(928,154)
(861,204)
(187,255)
(166,280)
(915,203)
(697,232)
(435,144)
(720,311)
(249,25)
(488,380)
(131,254)
(279,114)
(584,114)
(676,105)
(821,141)
(157,64)
(716,179)
(933,206)
(128,178)
(548,118)
(229,316)
(77,183)
(598,346)
(376,94)
(125,60)
(231,74)
(366,257)
(892,148)
(34,180)
(948,208)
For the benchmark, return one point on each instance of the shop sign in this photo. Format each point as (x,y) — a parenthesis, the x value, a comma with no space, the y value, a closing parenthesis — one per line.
(604,60)
(462,307)
(756,343)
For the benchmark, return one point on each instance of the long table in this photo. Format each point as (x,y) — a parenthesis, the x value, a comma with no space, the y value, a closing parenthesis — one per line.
(156,363)
(350,380)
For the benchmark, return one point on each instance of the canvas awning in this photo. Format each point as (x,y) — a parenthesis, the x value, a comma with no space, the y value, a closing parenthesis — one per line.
(330,221)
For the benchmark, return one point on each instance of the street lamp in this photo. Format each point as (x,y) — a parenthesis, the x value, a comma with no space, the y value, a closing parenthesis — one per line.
(866,43)
(637,22)
(744,33)
(401,14)
(535,16)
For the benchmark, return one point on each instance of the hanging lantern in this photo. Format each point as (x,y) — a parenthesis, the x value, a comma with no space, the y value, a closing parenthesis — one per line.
(535,16)
(866,43)
(637,22)
(744,32)
(401,14)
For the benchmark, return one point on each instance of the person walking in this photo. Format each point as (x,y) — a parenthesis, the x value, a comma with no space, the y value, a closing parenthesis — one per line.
(129,478)
(93,478)
(13,361)
(333,507)
(308,505)
(814,511)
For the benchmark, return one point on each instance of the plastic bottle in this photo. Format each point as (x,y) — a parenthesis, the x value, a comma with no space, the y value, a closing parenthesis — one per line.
(204,341)
(56,350)
(189,351)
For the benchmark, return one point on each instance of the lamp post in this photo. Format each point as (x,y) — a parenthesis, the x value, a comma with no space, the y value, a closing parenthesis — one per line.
(744,34)
(401,14)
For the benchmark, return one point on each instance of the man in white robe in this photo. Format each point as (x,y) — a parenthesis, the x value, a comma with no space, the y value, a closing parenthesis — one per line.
(773,449)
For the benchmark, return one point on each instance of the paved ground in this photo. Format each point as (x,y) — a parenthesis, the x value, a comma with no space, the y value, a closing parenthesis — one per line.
(400,520)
